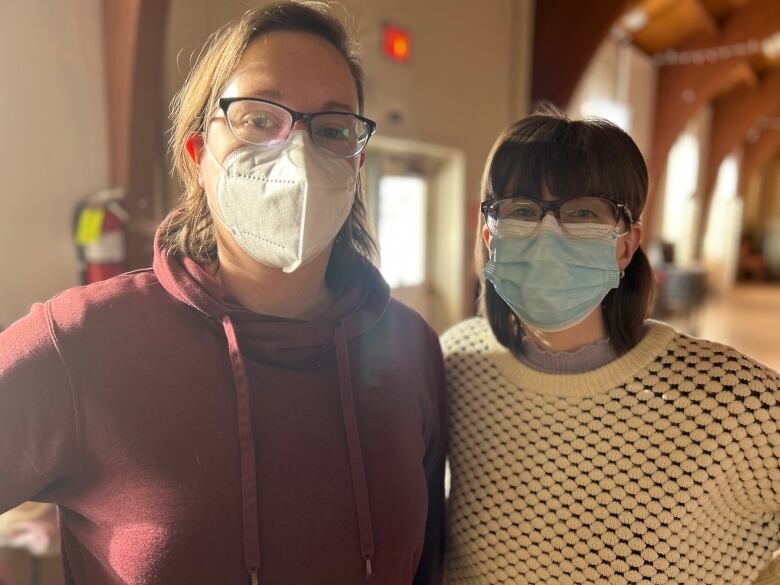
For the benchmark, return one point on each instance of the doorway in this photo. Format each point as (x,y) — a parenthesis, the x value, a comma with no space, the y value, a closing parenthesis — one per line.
(415,195)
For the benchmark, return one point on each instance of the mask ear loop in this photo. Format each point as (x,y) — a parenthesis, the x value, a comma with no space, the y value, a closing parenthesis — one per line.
(630,217)
(211,155)
(631,224)
(206,126)
(216,212)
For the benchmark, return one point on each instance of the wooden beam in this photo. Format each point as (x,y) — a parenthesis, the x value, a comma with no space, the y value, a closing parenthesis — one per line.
(147,136)
(755,155)
(134,37)
(567,34)
(733,115)
(120,23)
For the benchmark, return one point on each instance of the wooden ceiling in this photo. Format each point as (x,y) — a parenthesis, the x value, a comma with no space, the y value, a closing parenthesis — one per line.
(721,9)
(706,56)
(709,49)
(670,23)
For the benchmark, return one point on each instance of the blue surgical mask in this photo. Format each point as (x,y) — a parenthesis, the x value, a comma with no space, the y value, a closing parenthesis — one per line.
(552,281)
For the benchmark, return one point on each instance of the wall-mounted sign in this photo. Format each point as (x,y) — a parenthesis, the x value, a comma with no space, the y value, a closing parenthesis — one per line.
(397,43)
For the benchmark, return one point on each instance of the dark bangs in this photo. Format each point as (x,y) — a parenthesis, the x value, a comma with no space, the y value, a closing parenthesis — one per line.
(570,157)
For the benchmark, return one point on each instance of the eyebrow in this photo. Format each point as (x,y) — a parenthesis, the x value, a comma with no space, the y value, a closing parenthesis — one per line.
(272,94)
(336,106)
(269,94)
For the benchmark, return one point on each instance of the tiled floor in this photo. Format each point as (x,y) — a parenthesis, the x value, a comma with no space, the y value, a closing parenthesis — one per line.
(747,318)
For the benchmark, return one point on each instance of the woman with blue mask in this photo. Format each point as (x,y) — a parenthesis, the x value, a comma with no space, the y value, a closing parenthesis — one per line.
(590,445)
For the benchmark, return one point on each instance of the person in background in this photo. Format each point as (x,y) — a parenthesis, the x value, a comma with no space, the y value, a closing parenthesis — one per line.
(589,444)
(255,408)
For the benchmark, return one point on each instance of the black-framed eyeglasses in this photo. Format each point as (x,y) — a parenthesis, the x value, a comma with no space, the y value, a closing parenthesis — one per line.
(579,217)
(261,122)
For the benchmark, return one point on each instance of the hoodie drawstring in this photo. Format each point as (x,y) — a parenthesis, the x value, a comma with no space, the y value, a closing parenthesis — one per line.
(247,445)
(357,467)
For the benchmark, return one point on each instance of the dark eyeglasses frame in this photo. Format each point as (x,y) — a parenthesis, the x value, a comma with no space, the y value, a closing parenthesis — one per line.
(555,206)
(224,104)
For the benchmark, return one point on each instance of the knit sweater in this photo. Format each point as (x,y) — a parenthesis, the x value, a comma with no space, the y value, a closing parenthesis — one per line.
(661,467)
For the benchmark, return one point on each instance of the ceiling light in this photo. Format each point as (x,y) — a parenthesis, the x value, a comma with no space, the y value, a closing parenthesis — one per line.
(635,20)
(770,46)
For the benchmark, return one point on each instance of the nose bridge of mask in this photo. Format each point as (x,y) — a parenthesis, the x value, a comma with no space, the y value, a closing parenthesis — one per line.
(299,147)
(550,223)
(589,231)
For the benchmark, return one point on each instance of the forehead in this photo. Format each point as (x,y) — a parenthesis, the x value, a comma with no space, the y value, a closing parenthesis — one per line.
(301,70)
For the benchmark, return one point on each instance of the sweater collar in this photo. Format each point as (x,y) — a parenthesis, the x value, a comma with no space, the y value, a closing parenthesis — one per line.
(588,357)
(616,373)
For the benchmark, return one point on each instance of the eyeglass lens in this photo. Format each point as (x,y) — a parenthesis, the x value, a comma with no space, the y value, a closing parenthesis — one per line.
(519,217)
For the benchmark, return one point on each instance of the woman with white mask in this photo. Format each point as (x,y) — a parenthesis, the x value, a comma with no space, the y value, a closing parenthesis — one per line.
(590,445)
(254,408)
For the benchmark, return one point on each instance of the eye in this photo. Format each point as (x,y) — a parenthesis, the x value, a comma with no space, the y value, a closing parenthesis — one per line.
(580,213)
(521,213)
(518,210)
(259,121)
(334,132)
(253,118)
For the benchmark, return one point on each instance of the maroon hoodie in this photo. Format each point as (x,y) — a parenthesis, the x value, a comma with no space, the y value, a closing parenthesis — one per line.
(188,440)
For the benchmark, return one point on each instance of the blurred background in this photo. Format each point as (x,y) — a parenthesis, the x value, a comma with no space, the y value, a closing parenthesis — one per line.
(86,178)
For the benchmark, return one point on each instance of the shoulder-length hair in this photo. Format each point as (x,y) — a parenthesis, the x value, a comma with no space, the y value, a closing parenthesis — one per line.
(190,232)
(571,158)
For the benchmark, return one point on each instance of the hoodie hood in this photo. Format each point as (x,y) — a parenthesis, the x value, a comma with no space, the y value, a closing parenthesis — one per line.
(280,341)
(285,343)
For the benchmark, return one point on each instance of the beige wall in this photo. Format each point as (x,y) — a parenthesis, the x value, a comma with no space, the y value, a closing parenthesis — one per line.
(54,146)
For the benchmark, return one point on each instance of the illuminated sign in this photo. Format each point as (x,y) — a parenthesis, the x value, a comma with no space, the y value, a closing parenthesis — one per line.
(397,43)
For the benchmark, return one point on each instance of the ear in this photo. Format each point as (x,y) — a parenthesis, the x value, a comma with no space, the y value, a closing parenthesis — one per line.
(194,147)
(486,238)
(628,245)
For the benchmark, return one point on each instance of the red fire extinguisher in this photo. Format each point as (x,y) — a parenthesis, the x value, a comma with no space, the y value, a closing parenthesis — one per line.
(100,235)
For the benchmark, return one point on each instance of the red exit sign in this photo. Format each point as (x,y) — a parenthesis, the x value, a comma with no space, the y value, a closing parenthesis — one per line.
(397,43)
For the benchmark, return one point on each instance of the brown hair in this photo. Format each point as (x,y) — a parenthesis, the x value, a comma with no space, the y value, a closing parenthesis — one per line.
(190,232)
(572,158)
